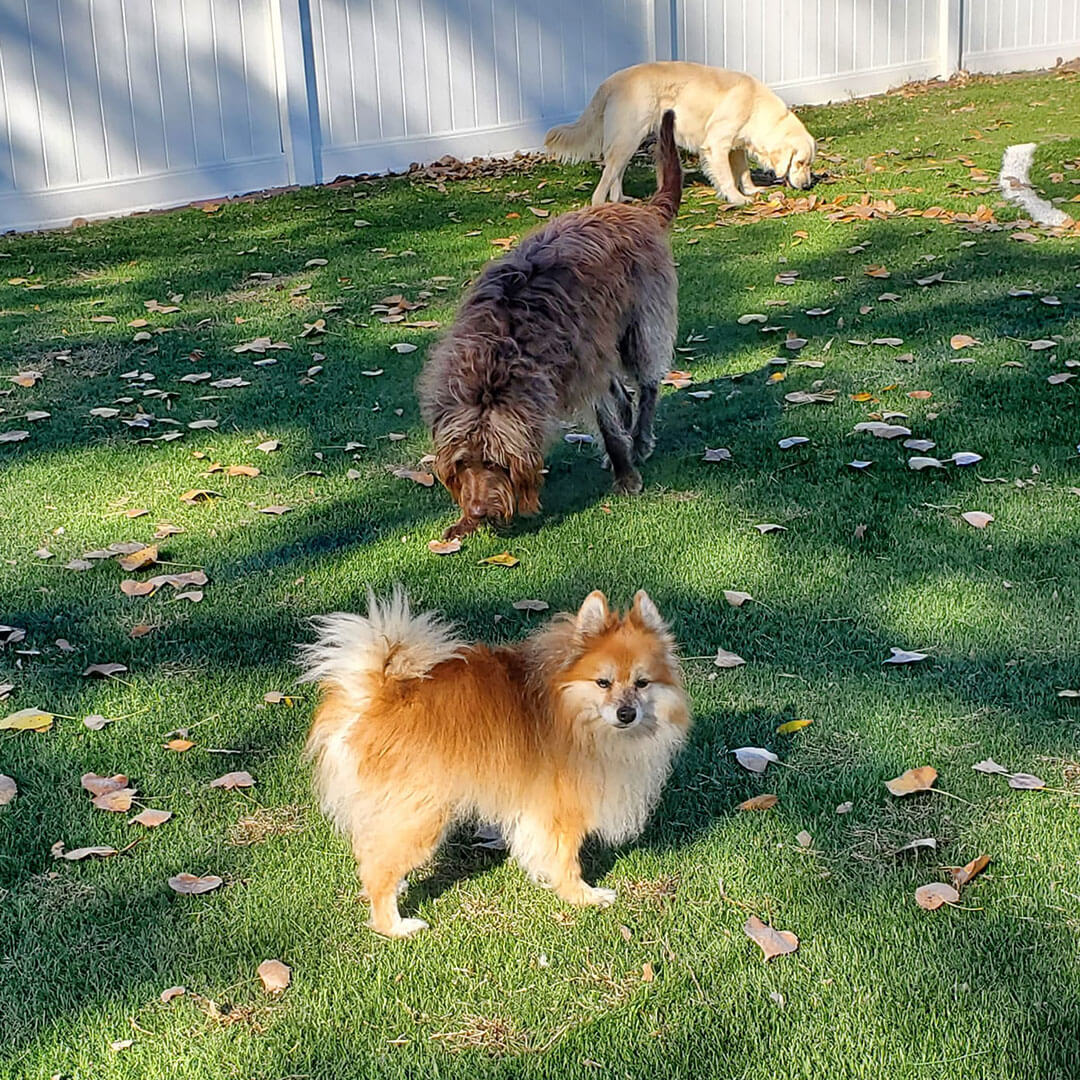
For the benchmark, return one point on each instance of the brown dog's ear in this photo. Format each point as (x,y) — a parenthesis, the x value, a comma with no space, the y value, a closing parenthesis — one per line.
(526,476)
(645,613)
(593,615)
(445,469)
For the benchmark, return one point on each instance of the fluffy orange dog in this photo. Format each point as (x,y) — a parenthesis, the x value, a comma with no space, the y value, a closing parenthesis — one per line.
(567,734)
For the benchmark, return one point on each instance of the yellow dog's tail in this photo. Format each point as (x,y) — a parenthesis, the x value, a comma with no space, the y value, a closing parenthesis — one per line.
(584,138)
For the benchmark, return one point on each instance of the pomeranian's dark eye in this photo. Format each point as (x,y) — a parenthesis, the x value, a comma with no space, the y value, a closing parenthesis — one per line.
(641,683)
(603,683)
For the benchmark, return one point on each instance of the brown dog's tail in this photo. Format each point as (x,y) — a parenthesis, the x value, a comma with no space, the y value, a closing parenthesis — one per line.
(668,170)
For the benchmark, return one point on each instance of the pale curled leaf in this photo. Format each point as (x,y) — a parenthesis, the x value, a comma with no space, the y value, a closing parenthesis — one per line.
(191,885)
(233,780)
(8,789)
(736,598)
(1026,782)
(151,818)
(920,779)
(903,656)
(755,759)
(991,767)
(772,942)
(102,785)
(932,896)
(725,659)
(961,875)
(172,992)
(977,518)
(275,976)
(117,802)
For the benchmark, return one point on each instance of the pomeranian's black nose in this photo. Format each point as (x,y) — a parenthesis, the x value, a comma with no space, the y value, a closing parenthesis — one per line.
(626,714)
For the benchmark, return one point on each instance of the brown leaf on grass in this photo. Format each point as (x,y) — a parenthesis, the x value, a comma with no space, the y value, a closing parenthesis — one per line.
(140,630)
(105,671)
(278,510)
(977,518)
(444,547)
(920,779)
(725,659)
(102,785)
(233,780)
(178,745)
(198,495)
(877,272)
(677,379)
(991,767)
(151,818)
(78,854)
(530,605)
(932,896)
(27,720)
(772,942)
(172,992)
(8,789)
(961,875)
(140,559)
(191,885)
(269,446)
(275,975)
(963,341)
(276,697)
(242,470)
(759,802)
(95,722)
(116,802)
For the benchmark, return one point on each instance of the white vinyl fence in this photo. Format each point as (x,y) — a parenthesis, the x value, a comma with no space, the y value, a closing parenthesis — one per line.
(109,106)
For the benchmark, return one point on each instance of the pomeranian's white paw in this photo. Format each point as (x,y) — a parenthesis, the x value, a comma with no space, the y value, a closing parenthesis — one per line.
(597,897)
(403,928)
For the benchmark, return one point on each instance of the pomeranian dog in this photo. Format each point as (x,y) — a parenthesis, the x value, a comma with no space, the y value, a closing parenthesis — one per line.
(567,734)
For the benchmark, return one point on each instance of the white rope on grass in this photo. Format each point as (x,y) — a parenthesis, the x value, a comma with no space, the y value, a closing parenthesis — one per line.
(1016,186)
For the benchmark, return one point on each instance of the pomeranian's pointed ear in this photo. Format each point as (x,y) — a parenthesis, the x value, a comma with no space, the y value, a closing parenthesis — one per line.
(645,612)
(593,614)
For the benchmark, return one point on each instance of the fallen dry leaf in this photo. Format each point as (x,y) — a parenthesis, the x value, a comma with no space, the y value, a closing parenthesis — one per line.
(105,671)
(78,854)
(198,495)
(275,975)
(116,802)
(963,874)
(179,745)
(932,896)
(444,547)
(921,844)
(772,942)
(102,785)
(8,789)
(977,518)
(530,605)
(233,780)
(920,779)
(754,758)
(903,656)
(725,659)
(151,818)
(736,598)
(172,992)
(770,527)
(424,478)
(190,885)
(269,446)
(1023,781)
(792,725)
(146,556)
(963,341)
(759,802)
(502,559)
(278,510)
(276,697)
(27,720)
(991,767)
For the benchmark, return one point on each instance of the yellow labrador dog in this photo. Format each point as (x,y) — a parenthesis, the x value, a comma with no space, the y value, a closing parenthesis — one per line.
(723,115)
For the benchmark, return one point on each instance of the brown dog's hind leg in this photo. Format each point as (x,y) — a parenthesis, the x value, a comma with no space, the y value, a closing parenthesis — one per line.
(619,446)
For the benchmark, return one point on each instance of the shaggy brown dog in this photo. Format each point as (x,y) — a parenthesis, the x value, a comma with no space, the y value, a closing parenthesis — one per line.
(581,307)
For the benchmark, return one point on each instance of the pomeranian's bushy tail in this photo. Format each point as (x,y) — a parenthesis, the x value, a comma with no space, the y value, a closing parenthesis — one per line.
(357,653)
(668,169)
(584,138)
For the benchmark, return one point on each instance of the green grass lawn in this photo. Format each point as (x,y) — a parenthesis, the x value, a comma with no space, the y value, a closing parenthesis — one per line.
(509,981)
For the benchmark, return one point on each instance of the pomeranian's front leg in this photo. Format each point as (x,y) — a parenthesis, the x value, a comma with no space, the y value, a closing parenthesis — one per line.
(551,855)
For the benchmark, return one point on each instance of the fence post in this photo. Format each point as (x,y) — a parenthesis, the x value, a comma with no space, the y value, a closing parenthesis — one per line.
(296,90)
(665,30)
(950,40)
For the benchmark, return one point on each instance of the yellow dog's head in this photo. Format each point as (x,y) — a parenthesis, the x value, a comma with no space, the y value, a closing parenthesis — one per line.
(792,152)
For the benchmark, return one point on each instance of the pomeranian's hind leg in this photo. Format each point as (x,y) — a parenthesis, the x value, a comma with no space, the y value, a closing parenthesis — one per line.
(385,853)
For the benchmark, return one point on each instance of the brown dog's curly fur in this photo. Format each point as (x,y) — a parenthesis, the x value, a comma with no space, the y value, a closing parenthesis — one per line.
(582,307)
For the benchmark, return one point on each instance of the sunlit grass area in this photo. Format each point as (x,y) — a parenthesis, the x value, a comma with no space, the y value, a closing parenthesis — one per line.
(509,981)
